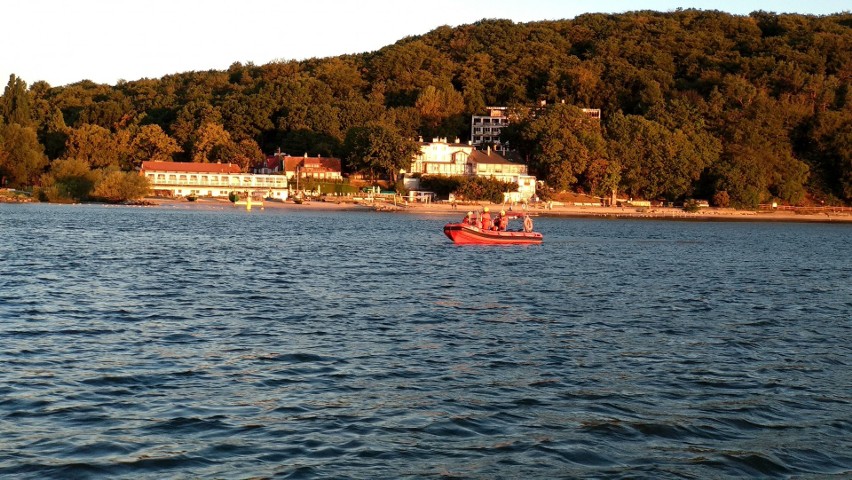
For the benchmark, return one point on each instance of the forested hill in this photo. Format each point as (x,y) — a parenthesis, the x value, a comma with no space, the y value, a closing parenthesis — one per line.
(694,103)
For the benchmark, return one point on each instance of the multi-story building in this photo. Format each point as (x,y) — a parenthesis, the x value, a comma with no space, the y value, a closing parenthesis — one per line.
(485,129)
(210,180)
(491,164)
(440,157)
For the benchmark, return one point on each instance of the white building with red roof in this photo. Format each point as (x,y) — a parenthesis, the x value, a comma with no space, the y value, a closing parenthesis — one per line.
(210,180)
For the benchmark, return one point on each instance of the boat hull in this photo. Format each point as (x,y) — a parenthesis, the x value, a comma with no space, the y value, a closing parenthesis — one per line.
(463,234)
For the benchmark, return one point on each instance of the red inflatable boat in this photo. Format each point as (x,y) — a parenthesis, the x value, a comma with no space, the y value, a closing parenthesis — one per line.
(466,234)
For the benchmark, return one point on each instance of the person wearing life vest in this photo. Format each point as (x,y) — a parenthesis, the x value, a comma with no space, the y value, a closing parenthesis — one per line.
(502,221)
(468,220)
(486,219)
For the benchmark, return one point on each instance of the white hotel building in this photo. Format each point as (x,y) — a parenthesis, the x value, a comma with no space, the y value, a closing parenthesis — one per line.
(210,180)
(439,157)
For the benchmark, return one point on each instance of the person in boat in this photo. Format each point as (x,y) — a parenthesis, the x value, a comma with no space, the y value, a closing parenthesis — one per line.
(469,220)
(486,219)
(502,221)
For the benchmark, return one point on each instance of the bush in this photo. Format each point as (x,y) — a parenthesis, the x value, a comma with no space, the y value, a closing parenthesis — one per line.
(442,186)
(691,206)
(489,189)
(400,188)
(721,199)
(116,186)
(68,181)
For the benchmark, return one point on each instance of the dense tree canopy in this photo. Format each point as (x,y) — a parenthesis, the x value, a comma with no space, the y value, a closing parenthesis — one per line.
(378,148)
(559,144)
(693,103)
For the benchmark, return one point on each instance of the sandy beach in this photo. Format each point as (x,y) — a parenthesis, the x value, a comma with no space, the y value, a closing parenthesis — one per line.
(440,208)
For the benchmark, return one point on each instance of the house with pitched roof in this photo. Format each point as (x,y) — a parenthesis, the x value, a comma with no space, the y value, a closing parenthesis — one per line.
(440,157)
(320,168)
(491,164)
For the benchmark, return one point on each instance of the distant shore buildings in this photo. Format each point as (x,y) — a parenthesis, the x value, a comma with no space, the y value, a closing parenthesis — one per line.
(271,180)
(485,129)
(440,157)
(174,179)
(483,156)
(320,168)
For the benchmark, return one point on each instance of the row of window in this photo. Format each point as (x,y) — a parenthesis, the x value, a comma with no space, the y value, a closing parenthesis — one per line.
(489,121)
(480,139)
(218,179)
(493,131)
(503,169)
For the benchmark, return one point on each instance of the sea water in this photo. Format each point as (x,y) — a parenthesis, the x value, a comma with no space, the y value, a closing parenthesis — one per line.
(168,342)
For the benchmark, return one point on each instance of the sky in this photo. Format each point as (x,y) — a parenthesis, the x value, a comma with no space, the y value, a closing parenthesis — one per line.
(105,41)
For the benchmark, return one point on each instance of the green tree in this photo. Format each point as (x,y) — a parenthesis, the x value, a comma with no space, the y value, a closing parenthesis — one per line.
(482,188)
(246,116)
(827,143)
(189,120)
(16,105)
(210,143)
(22,158)
(408,67)
(378,148)
(342,76)
(757,162)
(304,141)
(54,134)
(149,143)
(603,177)
(245,153)
(436,106)
(658,161)
(94,144)
(560,143)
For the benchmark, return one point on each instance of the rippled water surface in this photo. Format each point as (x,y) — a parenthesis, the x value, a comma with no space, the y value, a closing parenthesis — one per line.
(214,343)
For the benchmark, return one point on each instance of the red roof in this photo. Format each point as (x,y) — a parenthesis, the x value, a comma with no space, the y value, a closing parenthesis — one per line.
(492,157)
(191,167)
(312,164)
(272,162)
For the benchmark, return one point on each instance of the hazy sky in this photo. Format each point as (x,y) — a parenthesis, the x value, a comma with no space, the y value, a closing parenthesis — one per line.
(65,41)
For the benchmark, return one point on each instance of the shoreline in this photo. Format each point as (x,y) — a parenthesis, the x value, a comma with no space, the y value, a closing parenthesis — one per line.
(709,214)
(653,213)
(664,213)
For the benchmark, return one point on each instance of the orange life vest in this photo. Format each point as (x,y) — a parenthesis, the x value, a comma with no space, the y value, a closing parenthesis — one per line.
(503,223)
